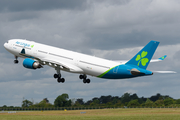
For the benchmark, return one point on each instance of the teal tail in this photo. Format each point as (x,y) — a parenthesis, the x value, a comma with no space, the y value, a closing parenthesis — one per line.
(143,57)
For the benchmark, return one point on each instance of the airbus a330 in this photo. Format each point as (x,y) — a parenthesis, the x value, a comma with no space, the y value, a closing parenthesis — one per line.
(37,55)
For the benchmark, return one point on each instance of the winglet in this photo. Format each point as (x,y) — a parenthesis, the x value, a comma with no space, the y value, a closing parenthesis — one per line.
(163,57)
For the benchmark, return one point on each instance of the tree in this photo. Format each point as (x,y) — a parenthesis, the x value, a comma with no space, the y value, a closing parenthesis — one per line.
(133,103)
(80,101)
(77,104)
(26,103)
(125,98)
(62,101)
(118,104)
(155,97)
(142,100)
(168,101)
(149,103)
(4,106)
(115,100)
(159,102)
(105,99)
(88,102)
(46,100)
(178,101)
(44,103)
(95,102)
(134,96)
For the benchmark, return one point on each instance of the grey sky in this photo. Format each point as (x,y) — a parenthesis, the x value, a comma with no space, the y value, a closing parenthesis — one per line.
(38,5)
(111,29)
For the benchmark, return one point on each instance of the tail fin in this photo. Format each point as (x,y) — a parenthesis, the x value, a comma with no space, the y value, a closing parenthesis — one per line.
(143,57)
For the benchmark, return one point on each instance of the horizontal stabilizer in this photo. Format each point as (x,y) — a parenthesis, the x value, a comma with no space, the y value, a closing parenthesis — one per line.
(152,60)
(164,72)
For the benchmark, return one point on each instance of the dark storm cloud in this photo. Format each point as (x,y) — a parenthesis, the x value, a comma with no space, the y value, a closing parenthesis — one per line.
(110,41)
(35,5)
(111,2)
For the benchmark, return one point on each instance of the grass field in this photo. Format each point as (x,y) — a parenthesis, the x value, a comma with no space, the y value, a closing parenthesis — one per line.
(102,114)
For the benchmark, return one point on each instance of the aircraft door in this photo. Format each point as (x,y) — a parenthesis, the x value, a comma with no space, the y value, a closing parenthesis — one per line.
(115,70)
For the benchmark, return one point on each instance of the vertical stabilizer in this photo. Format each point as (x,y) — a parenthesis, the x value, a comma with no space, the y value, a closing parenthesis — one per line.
(143,57)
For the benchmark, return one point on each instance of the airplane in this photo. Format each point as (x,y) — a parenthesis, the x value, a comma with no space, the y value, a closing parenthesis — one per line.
(37,55)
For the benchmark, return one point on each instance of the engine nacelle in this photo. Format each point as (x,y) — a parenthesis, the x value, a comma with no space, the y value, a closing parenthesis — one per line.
(31,64)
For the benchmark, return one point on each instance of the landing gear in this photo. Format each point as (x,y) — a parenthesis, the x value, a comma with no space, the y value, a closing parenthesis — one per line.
(16,61)
(60,80)
(58,76)
(84,77)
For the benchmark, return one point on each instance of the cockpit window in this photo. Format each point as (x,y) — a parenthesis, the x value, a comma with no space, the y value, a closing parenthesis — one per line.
(7,41)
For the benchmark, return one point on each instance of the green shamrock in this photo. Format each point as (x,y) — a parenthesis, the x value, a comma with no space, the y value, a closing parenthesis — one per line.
(141,58)
(32,46)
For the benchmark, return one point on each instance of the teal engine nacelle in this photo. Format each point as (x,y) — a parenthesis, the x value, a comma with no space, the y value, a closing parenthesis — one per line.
(31,64)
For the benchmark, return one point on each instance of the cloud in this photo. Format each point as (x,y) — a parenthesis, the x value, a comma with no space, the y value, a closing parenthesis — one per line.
(28,74)
(102,25)
(28,5)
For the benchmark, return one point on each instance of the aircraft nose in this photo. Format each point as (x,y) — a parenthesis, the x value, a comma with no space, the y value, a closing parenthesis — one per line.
(5,45)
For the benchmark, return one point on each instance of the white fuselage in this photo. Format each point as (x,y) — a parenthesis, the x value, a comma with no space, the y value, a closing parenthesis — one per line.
(77,62)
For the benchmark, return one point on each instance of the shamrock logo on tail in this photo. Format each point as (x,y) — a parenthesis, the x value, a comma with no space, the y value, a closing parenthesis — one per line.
(141,58)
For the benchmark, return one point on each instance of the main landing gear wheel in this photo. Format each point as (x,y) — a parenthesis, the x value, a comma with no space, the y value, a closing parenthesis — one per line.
(86,80)
(84,77)
(56,75)
(59,79)
(81,76)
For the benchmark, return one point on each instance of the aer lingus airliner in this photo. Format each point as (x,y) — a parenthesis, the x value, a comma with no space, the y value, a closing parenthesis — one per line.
(36,55)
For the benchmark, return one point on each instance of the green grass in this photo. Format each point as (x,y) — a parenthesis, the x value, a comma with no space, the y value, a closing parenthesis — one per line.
(103,114)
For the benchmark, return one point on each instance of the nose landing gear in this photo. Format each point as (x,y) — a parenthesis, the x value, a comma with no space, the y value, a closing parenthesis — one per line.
(16,61)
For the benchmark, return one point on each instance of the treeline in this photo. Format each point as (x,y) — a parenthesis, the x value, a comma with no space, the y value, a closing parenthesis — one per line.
(126,100)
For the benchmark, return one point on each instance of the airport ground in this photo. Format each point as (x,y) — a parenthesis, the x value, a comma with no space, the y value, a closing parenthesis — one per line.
(100,114)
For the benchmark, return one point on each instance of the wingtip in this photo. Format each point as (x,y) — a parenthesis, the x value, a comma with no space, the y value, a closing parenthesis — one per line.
(163,57)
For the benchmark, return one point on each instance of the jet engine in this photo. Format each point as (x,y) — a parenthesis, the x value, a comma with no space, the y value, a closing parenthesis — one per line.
(31,64)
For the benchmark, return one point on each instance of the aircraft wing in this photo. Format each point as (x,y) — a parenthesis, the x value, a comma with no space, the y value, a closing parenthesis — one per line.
(152,60)
(54,63)
(63,65)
